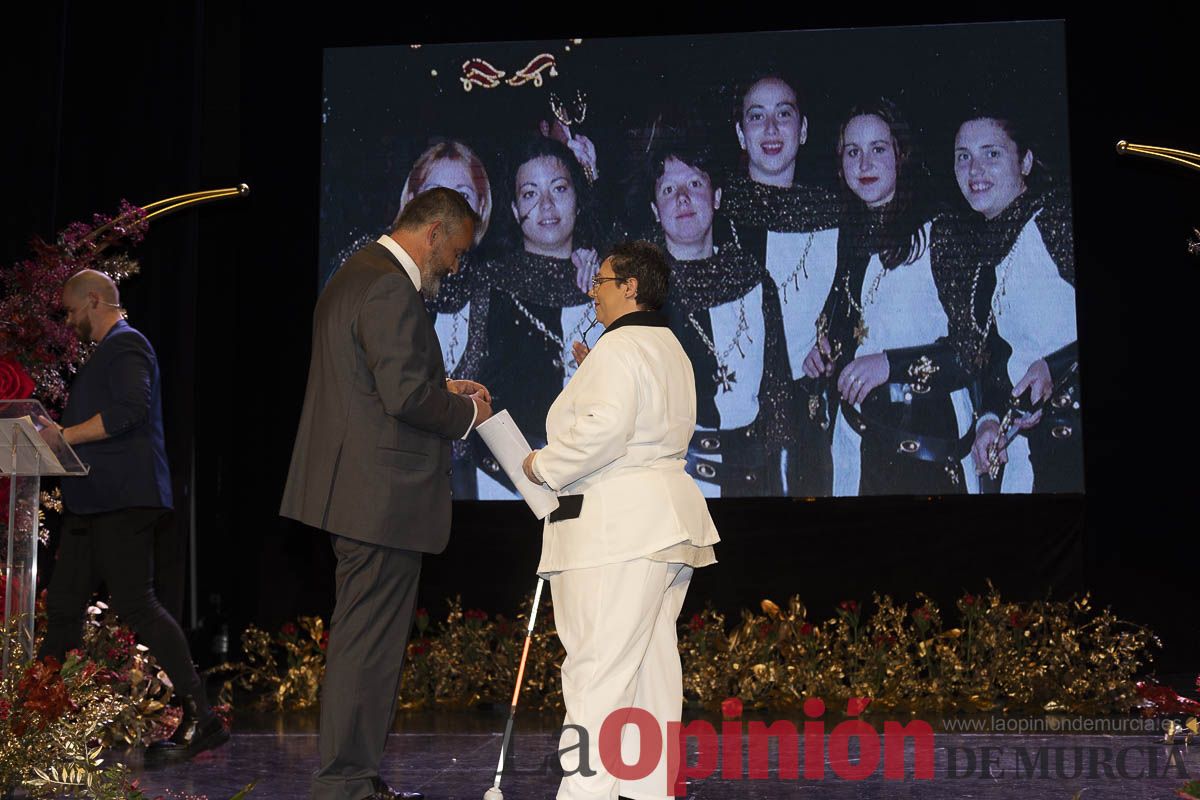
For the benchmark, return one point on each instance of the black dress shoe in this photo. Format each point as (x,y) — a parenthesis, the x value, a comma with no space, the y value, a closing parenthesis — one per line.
(385,792)
(194,735)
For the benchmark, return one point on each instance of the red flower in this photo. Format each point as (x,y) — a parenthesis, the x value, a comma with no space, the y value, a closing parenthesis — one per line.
(969,600)
(731,707)
(5,709)
(696,622)
(807,630)
(1015,620)
(849,606)
(288,629)
(44,693)
(922,614)
(476,615)
(764,629)
(420,647)
(324,640)
(15,383)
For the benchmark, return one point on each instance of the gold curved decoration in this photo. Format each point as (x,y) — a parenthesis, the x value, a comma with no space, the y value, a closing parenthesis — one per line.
(169,205)
(1184,157)
(172,204)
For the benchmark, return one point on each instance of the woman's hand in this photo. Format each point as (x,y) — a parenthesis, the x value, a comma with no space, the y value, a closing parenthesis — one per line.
(587,264)
(585,154)
(580,351)
(987,436)
(1037,379)
(817,362)
(862,375)
(527,467)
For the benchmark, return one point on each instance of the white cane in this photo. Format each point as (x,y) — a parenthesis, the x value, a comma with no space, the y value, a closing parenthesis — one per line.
(494,793)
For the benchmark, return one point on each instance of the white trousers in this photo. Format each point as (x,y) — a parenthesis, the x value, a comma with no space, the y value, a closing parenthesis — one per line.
(618,625)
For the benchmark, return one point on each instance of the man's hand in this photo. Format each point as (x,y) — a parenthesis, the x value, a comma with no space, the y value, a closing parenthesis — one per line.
(483,408)
(470,388)
(527,467)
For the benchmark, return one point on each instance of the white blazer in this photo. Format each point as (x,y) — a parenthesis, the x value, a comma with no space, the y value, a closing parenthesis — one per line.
(618,434)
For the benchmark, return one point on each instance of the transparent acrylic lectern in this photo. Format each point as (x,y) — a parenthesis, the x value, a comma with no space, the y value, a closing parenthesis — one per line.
(30,447)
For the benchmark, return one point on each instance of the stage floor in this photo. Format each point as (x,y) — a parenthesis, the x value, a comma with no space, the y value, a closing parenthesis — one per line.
(452,756)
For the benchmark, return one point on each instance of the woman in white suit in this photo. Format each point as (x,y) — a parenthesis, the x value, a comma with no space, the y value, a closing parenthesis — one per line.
(619,559)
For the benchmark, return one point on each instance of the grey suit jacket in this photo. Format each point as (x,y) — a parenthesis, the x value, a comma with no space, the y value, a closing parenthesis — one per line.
(372,454)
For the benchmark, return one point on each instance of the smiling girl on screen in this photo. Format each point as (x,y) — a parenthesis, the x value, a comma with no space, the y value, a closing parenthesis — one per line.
(792,227)
(904,423)
(1006,271)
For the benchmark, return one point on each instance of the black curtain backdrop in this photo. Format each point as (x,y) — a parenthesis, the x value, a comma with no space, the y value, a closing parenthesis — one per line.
(190,95)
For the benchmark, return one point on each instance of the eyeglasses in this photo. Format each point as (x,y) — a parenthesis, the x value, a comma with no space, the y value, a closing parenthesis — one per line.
(599,279)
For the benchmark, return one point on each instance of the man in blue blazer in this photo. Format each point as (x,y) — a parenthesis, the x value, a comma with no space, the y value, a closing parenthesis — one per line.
(114,421)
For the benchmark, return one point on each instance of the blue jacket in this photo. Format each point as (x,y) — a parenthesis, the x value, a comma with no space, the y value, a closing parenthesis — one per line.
(121,383)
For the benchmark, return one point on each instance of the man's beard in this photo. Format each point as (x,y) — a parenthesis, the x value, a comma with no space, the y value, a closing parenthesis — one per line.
(430,284)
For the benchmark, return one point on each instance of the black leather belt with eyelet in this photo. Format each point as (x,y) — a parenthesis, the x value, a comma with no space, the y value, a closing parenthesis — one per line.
(743,457)
(921,446)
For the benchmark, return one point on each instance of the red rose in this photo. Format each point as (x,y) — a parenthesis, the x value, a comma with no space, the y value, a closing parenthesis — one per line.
(288,629)
(15,383)
(731,707)
(969,600)
(697,622)
(806,629)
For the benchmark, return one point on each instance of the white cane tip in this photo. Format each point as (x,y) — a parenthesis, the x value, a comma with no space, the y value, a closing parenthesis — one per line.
(493,794)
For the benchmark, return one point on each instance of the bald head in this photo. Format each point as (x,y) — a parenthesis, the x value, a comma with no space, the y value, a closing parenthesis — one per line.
(92,304)
(88,281)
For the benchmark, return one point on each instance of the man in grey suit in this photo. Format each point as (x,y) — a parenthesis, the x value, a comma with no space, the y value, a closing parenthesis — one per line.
(371,466)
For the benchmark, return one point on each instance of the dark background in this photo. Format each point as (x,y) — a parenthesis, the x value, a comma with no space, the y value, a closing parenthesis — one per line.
(180,96)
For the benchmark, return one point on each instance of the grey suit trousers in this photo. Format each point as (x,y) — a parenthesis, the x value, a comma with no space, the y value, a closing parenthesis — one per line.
(376,596)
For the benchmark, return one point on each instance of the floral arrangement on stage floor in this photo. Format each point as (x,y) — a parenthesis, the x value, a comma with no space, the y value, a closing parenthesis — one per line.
(55,722)
(986,654)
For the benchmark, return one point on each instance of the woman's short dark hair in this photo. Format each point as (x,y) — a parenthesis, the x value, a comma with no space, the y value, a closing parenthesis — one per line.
(648,263)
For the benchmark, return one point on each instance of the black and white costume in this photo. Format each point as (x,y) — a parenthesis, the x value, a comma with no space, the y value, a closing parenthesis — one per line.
(1008,285)
(794,232)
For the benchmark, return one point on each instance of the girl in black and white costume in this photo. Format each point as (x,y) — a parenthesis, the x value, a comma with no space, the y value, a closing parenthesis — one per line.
(791,227)
(905,419)
(529,306)
(1006,271)
(724,308)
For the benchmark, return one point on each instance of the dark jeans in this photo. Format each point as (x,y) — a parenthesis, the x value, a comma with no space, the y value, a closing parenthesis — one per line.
(116,548)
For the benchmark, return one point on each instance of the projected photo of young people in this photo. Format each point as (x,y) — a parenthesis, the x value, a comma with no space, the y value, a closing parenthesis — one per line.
(904,420)
(858,305)
(1006,267)
(791,224)
(529,305)
(453,165)
(725,310)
